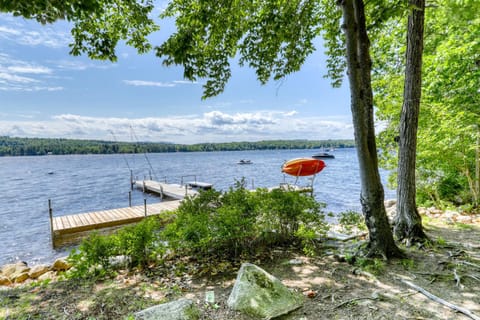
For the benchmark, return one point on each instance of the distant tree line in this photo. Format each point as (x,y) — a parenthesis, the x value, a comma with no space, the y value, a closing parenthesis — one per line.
(11,146)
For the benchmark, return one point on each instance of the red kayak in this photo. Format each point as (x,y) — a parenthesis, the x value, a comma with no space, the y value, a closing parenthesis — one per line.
(303,167)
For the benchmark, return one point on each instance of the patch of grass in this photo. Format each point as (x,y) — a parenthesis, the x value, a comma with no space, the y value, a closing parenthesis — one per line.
(375,266)
(74,299)
(407,264)
(463,226)
(16,304)
(441,241)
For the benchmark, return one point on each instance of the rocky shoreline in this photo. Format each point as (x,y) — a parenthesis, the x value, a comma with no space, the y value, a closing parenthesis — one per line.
(20,273)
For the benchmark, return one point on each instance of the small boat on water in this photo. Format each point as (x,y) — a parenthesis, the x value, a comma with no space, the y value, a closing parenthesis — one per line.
(243,161)
(323,155)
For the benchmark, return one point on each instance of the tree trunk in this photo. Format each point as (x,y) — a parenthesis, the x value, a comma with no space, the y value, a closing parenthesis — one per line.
(381,240)
(408,223)
(476,193)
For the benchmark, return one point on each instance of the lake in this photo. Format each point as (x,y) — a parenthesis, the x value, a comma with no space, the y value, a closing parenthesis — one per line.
(81,183)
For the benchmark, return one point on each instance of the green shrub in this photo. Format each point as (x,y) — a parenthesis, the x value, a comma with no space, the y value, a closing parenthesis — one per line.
(240,221)
(140,242)
(228,225)
(92,258)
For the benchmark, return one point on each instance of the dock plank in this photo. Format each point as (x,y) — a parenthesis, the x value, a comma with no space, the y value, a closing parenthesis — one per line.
(69,227)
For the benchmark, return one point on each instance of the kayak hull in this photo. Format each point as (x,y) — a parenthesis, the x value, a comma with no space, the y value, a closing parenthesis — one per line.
(303,167)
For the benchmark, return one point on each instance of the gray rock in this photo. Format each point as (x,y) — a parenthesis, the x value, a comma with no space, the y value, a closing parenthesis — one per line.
(182,309)
(5,281)
(50,275)
(38,270)
(259,294)
(61,264)
(20,277)
(10,270)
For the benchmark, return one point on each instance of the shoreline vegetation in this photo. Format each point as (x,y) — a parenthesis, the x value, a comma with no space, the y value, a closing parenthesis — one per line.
(334,283)
(15,146)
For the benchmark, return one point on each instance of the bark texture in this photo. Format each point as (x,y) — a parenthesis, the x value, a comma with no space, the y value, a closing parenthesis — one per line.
(408,223)
(359,63)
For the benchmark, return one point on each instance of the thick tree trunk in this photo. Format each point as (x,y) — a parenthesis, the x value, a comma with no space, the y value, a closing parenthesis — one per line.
(408,223)
(381,240)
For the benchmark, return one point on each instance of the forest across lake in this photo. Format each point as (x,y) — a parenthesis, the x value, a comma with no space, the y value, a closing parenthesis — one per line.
(14,146)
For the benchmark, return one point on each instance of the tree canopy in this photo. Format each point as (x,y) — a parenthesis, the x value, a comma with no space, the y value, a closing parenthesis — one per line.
(98,25)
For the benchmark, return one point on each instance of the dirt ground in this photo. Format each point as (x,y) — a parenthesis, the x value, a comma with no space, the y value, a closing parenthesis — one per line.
(448,268)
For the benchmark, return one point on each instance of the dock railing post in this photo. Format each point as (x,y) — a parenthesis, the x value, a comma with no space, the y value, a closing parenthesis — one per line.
(131,180)
(145,205)
(50,213)
(129,198)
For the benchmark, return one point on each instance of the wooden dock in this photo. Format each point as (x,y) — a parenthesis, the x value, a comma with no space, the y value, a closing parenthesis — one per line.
(71,228)
(171,190)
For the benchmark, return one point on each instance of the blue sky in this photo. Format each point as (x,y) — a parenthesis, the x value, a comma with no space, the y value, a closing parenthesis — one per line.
(45,92)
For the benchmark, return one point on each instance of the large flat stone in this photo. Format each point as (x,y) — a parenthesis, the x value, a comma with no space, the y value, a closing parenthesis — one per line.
(182,309)
(259,294)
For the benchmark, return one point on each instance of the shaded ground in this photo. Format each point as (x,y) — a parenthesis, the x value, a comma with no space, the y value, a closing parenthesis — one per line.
(448,268)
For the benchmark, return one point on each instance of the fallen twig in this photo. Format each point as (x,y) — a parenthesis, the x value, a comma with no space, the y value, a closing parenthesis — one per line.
(352,300)
(465,245)
(466,263)
(432,274)
(472,276)
(433,297)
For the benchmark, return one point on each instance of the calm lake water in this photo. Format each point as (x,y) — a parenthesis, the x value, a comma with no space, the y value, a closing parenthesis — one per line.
(80,183)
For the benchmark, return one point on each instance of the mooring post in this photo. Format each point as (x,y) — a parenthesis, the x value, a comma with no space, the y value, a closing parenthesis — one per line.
(129,198)
(131,180)
(144,184)
(50,213)
(145,205)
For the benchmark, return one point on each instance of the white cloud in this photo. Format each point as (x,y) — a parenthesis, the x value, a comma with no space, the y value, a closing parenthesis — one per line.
(13,78)
(4,31)
(29,34)
(30,69)
(214,126)
(19,75)
(290,114)
(81,65)
(184,82)
(143,83)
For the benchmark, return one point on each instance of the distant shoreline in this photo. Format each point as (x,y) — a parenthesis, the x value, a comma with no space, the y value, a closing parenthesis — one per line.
(13,146)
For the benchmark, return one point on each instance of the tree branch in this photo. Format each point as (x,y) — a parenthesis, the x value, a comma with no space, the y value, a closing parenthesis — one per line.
(433,297)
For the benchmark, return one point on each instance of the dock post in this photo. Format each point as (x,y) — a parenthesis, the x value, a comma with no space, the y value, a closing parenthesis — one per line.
(131,180)
(50,213)
(145,205)
(129,198)
(144,188)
